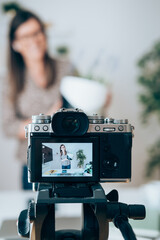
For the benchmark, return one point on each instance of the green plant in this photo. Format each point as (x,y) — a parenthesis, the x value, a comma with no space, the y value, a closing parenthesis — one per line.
(149,79)
(80,157)
(154,162)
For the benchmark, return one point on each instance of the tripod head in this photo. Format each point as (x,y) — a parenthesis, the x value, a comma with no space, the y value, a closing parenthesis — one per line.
(98,210)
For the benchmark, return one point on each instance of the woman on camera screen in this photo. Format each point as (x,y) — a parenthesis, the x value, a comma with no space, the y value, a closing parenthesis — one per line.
(65,159)
(32,85)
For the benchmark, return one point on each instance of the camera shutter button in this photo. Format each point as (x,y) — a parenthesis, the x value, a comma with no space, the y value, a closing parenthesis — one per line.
(97,128)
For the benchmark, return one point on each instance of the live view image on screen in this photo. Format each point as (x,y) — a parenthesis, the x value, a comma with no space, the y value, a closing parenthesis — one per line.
(67,160)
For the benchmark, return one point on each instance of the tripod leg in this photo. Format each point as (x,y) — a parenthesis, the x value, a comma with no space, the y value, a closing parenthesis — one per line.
(41,213)
(100,212)
(90,228)
(48,228)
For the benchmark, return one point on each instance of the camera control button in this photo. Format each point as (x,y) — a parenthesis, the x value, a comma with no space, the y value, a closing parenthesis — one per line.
(97,128)
(107,163)
(36,128)
(120,128)
(109,129)
(115,165)
(45,128)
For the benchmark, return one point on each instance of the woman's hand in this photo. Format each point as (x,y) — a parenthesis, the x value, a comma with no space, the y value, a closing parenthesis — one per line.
(108,99)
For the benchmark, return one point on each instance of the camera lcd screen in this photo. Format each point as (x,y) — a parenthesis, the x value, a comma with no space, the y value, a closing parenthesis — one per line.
(67,159)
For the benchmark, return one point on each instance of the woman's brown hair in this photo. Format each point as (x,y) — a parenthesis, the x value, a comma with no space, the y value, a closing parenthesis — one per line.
(16,63)
(61,153)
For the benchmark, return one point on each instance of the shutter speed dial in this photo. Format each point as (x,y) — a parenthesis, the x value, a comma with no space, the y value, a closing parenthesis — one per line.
(41,119)
(96,119)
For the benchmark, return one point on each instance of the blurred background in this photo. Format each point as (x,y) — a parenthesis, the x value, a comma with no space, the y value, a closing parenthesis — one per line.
(116,43)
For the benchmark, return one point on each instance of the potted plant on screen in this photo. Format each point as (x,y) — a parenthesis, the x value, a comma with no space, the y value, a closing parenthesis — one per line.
(80,157)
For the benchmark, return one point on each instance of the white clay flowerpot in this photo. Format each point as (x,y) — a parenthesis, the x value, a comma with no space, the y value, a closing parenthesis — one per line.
(88,95)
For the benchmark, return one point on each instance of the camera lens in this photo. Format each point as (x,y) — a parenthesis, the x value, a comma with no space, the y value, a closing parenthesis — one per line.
(70,124)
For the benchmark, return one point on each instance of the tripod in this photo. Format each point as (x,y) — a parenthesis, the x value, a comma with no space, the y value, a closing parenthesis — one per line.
(98,210)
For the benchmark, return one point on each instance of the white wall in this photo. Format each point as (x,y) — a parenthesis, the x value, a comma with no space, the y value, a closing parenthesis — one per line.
(119,33)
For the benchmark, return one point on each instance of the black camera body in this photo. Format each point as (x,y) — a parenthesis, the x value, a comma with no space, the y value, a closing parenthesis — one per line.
(75,148)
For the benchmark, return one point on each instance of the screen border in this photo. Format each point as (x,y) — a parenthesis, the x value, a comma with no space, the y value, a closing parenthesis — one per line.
(35,166)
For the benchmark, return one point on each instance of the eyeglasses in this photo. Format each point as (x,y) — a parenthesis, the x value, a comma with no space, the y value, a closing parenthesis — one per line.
(27,37)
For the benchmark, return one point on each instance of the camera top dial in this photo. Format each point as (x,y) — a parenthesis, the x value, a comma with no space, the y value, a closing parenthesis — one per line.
(95,119)
(41,118)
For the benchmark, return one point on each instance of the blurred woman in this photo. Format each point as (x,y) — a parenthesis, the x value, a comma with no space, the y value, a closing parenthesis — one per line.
(32,86)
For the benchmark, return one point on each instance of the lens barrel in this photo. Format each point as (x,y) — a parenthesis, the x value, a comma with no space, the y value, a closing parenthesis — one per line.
(70,123)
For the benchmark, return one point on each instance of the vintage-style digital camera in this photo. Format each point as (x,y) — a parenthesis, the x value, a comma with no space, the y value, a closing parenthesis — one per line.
(73,147)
